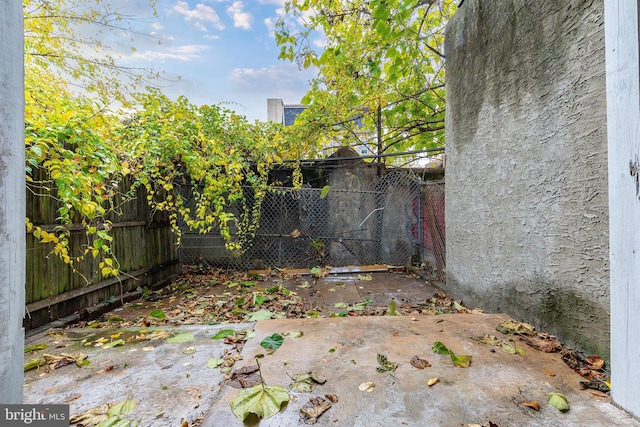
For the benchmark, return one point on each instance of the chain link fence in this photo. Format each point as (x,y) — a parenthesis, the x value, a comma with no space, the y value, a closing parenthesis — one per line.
(395,219)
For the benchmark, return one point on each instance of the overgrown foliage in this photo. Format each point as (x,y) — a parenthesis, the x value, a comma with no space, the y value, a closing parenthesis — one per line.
(90,157)
(381,71)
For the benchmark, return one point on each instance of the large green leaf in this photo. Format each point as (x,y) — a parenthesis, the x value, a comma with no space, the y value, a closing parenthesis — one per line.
(263,401)
(272,342)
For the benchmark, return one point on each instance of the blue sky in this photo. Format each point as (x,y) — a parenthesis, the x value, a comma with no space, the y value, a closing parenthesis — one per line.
(223,50)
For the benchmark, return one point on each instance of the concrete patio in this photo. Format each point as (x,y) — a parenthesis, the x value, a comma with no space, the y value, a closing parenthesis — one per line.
(173,386)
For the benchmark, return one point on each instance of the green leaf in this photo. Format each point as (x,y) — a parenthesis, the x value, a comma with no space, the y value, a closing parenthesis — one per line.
(184,337)
(35,347)
(114,343)
(213,362)
(440,348)
(33,363)
(325,191)
(260,315)
(258,299)
(272,342)
(559,401)
(316,271)
(263,401)
(222,334)
(460,361)
(158,314)
(125,407)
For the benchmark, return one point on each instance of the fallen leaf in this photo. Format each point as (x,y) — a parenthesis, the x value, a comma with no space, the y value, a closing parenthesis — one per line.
(93,416)
(33,363)
(365,277)
(332,397)
(384,365)
(272,343)
(157,314)
(533,405)
(558,401)
(184,337)
(595,362)
(543,342)
(189,350)
(511,327)
(245,377)
(214,362)
(35,347)
(293,334)
(223,334)
(368,386)
(416,362)
(125,407)
(260,400)
(313,409)
(433,381)
(305,383)
(595,384)
(260,315)
(114,343)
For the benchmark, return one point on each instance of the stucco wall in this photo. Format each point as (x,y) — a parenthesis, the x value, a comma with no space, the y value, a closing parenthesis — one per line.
(526,212)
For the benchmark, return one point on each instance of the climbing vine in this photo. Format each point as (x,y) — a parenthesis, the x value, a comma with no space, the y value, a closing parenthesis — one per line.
(88,157)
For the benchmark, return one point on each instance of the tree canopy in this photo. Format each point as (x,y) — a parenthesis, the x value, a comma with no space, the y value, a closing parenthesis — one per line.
(381,70)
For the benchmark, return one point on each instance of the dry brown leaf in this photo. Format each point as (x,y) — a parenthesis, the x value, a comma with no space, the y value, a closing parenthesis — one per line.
(313,409)
(332,397)
(533,405)
(543,342)
(433,381)
(416,362)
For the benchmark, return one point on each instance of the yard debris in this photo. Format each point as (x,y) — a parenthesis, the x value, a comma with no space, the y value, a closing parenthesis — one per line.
(533,405)
(64,359)
(511,327)
(559,401)
(384,365)
(305,383)
(316,406)
(416,362)
(543,341)
(245,377)
(459,361)
(596,384)
(591,368)
(507,345)
(433,381)
(367,386)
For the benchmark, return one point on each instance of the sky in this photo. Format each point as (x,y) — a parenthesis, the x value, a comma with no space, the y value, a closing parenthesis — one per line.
(224,51)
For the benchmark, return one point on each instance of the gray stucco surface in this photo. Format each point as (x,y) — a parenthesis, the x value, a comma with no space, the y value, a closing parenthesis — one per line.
(526,211)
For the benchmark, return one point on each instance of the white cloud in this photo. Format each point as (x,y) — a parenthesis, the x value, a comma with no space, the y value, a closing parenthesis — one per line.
(200,16)
(241,19)
(283,80)
(179,53)
(276,2)
(157,26)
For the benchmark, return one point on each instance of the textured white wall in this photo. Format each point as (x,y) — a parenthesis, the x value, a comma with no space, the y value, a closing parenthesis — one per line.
(623,124)
(526,194)
(12,202)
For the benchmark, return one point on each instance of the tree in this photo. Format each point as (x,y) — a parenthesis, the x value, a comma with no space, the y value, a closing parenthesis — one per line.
(381,72)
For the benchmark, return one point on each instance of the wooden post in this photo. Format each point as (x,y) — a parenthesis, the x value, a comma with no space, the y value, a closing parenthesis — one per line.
(12,202)
(623,128)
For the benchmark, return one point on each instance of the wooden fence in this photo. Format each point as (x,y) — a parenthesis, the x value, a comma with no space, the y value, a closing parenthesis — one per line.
(143,244)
